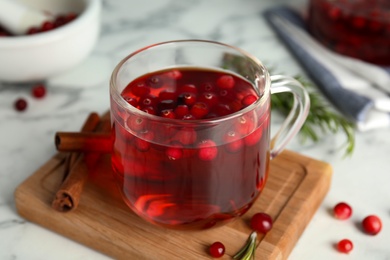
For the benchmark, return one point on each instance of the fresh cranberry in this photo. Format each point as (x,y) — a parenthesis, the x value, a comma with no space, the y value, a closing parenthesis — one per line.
(168,113)
(217,249)
(254,137)
(140,89)
(245,125)
(207,150)
(174,74)
(132,101)
(33,30)
(38,91)
(154,82)
(188,88)
(189,99)
(248,100)
(186,136)
(342,210)
(181,111)
(233,141)
(261,222)
(148,101)
(143,141)
(20,104)
(345,246)
(175,152)
(225,82)
(372,224)
(199,110)
(209,98)
(136,123)
(207,87)
(149,109)
(167,95)
(47,26)
(222,109)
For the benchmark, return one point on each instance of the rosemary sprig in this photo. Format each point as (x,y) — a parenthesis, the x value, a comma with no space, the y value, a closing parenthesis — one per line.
(247,252)
(321,119)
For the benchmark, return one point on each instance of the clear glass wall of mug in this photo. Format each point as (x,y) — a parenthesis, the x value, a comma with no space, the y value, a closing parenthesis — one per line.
(191,130)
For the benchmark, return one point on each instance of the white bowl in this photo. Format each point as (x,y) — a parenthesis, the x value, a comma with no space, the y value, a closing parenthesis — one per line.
(39,56)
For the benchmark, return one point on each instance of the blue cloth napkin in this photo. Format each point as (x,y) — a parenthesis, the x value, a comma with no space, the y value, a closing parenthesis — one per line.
(359,90)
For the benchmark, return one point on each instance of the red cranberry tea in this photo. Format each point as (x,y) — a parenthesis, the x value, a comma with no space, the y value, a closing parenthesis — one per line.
(199,162)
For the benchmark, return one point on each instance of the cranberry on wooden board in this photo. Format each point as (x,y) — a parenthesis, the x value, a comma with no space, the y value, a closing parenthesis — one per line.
(217,249)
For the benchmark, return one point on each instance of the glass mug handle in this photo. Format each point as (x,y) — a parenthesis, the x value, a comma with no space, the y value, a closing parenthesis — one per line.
(297,115)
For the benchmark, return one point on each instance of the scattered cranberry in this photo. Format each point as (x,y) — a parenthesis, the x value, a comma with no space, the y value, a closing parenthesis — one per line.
(225,82)
(342,211)
(20,104)
(38,91)
(174,152)
(345,246)
(372,224)
(217,249)
(261,222)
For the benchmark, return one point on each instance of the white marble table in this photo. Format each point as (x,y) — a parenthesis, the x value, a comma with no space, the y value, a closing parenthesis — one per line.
(27,138)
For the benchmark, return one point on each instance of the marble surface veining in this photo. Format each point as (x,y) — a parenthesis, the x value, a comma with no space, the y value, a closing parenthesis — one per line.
(27,138)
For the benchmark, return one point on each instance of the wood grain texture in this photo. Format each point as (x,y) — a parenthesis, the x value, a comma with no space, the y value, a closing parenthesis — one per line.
(295,188)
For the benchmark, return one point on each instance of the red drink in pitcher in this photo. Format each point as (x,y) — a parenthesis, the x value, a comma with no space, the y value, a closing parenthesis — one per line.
(181,161)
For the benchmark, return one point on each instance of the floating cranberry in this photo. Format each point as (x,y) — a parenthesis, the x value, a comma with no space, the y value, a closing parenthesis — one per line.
(261,222)
(154,82)
(248,100)
(38,91)
(140,89)
(188,88)
(225,82)
(189,99)
(148,101)
(132,101)
(174,152)
(181,111)
(209,98)
(345,246)
(149,109)
(168,113)
(217,249)
(186,136)
(222,109)
(372,224)
(207,87)
(143,141)
(174,74)
(136,123)
(20,104)
(342,210)
(233,141)
(199,110)
(207,150)
(166,104)
(167,95)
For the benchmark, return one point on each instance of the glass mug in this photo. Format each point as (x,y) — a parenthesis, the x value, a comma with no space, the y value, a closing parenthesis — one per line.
(209,166)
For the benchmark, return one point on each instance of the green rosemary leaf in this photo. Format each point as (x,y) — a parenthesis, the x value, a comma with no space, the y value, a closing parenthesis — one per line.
(247,252)
(321,118)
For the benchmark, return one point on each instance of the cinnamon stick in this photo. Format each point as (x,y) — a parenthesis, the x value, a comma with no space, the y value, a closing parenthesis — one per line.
(76,172)
(89,125)
(83,142)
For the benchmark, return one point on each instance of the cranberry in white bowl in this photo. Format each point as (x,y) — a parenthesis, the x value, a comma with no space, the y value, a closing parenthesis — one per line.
(37,56)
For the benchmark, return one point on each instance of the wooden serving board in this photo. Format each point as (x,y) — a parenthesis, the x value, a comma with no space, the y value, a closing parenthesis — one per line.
(295,188)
